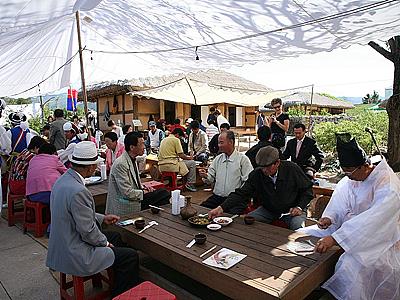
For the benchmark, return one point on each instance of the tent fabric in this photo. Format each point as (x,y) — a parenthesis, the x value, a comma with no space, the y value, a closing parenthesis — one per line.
(205,87)
(39,37)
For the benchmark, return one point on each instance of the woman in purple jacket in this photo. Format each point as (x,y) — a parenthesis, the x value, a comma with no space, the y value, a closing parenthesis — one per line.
(43,171)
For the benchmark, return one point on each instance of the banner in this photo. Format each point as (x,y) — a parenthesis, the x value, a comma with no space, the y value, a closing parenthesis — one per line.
(71,99)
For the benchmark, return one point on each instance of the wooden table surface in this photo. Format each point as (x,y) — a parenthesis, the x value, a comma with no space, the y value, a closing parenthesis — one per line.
(99,193)
(269,271)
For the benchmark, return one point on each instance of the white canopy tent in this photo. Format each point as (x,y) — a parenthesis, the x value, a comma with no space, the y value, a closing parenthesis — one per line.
(206,87)
(38,44)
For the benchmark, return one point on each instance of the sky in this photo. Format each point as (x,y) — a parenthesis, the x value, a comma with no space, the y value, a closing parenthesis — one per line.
(351,72)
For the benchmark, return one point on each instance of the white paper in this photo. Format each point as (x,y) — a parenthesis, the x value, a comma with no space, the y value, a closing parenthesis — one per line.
(224,259)
(300,248)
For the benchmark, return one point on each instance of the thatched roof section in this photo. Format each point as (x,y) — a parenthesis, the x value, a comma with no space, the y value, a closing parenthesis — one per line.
(319,100)
(214,78)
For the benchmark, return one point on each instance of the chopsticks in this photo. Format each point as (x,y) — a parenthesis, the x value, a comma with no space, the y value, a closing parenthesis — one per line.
(208,251)
(152,206)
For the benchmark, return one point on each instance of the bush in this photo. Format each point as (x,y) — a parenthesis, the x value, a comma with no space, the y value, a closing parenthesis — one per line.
(325,132)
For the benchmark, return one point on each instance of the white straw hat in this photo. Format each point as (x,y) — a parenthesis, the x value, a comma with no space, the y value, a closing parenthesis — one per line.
(85,153)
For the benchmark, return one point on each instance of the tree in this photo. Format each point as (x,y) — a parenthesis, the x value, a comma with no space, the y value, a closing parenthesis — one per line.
(393,104)
(371,99)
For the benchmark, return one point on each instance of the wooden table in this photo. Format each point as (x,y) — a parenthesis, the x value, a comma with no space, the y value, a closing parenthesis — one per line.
(269,271)
(99,193)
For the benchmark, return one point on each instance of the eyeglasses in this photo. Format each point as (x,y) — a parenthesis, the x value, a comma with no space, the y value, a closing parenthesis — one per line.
(348,174)
(277,107)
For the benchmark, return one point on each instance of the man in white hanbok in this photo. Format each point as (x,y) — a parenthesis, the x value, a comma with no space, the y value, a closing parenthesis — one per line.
(362,217)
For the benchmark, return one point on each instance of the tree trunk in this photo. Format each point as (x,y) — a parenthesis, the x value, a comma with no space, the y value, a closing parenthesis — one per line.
(393,104)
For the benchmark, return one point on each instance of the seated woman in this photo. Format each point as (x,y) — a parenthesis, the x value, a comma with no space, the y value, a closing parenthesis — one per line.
(19,168)
(43,171)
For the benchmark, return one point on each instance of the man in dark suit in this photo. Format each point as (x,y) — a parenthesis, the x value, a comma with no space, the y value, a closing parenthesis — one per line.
(304,151)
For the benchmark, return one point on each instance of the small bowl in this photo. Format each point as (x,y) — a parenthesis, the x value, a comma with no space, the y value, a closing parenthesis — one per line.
(154,210)
(214,227)
(248,220)
(223,221)
(139,224)
(200,238)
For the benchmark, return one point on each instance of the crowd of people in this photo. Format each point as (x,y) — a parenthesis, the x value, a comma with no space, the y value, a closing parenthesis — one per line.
(272,181)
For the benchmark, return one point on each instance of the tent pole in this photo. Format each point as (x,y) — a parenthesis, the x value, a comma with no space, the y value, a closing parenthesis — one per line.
(194,96)
(85,104)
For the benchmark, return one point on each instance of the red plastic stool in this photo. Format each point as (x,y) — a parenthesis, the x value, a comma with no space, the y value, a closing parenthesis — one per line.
(12,214)
(146,291)
(171,177)
(154,184)
(78,284)
(33,217)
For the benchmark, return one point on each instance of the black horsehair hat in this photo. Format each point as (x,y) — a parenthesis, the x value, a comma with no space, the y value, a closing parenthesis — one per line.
(349,152)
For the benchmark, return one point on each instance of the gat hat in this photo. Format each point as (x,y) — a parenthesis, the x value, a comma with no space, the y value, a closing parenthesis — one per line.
(152,123)
(349,152)
(189,120)
(71,126)
(85,153)
(267,156)
(17,118)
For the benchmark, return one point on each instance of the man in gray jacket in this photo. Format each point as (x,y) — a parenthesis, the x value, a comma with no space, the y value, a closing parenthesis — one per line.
(57,137)
(77,246)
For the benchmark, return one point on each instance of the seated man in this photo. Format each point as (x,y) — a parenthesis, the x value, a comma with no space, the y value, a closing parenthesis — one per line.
(281,186)
(228,171)
(362,217)
(19,168)
(114,149)
(172,159)
(154,137)
(77,246)
(304,151)
(264,136)
(198,142)
(115,128)
(213,144)
(125,192)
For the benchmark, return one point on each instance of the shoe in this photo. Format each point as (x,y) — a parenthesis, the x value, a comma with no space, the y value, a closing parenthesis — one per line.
(191,187)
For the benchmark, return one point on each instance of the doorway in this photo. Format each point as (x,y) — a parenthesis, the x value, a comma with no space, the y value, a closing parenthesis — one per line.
(232,116)
(169,107)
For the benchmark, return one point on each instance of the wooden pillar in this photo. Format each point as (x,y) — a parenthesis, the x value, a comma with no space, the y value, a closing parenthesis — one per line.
(179,110)
(135,105)
(123,108)
(162,109)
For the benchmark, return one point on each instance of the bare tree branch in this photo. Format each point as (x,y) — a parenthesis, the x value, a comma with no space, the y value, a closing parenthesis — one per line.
(382,51)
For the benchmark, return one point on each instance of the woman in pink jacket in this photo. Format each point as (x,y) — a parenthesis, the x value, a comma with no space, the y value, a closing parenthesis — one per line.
(43,171)
(114,149)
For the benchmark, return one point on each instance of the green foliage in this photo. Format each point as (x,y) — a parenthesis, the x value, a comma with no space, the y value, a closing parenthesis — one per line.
(325,131)
(330,96)
(295,111)
(36,122)
(358,109)
(18,101)
(371,99)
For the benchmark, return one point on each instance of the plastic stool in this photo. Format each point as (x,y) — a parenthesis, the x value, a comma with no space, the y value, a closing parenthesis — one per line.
(78,284)
(154,184)
(12,214)
(171,177)
(36,221)
(146,291)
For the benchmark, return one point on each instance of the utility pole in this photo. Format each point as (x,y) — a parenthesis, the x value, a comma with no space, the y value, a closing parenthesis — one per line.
(85,105)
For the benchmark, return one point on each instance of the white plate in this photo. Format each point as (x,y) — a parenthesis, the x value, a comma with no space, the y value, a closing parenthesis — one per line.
(214,227)
(223,221)
(92,179)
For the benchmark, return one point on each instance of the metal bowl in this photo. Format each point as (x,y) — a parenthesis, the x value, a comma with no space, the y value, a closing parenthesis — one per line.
(194,221)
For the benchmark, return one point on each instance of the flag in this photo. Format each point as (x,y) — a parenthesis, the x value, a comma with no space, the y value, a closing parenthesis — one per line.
(71,99)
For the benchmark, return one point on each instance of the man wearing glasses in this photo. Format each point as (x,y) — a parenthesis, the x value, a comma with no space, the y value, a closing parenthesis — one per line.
(362,218)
